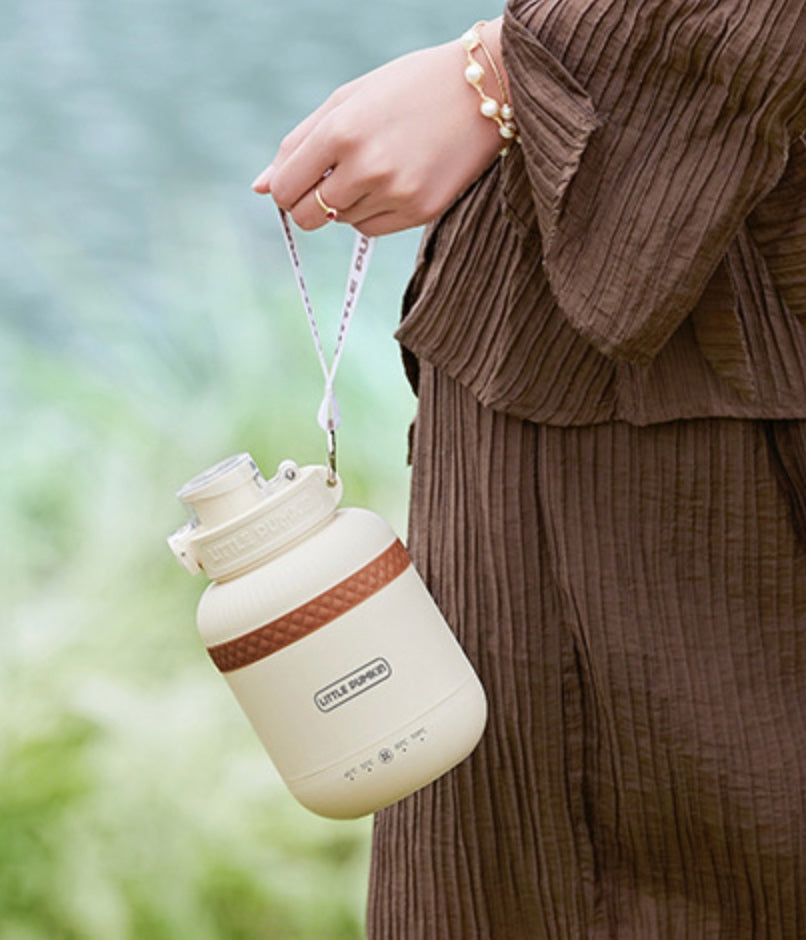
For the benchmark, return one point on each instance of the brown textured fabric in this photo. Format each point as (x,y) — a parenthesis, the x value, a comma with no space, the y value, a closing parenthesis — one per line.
(636,607)
(642,255)
(609,472)
(317,612)
(788,452)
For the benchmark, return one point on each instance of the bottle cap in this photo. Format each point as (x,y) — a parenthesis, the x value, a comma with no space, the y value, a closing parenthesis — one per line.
(239,519)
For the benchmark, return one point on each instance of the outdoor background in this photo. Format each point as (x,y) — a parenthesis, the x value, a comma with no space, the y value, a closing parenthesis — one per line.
(149,326)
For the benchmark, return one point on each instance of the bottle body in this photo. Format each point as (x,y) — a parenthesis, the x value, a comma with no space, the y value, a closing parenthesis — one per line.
(372,698)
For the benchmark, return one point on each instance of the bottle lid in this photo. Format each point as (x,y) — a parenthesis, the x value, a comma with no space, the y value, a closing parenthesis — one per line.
(238,518)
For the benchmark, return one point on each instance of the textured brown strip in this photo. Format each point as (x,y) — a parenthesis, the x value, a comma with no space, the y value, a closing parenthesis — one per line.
(321,610)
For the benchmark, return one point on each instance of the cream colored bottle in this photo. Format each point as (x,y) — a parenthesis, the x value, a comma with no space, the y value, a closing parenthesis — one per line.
(328,638)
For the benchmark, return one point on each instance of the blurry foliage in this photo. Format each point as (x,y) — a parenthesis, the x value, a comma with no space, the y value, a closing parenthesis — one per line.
(134,800)
(150,326)
(94,846)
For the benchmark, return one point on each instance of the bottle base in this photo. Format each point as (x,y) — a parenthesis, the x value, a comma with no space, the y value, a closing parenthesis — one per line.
(395,766)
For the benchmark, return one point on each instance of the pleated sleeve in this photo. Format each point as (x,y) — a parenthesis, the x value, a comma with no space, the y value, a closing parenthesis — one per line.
(650,131)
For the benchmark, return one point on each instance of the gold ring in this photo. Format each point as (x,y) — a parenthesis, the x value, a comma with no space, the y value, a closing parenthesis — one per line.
(331,213)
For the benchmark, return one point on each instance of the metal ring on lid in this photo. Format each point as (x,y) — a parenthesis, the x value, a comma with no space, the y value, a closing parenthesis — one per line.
(332,476)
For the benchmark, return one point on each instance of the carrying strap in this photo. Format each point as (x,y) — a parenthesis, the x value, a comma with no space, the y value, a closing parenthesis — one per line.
(329,416)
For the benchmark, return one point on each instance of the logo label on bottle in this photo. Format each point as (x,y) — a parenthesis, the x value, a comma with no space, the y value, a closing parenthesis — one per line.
(360,680)
(274,525)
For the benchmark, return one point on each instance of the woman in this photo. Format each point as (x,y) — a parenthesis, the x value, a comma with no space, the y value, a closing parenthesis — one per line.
(606,332)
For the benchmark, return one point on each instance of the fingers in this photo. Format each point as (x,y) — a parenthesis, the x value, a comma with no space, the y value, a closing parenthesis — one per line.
(317,207)
(293,140)
(341,196)
(305,155)
(262,182)
(377,158)
(337,197)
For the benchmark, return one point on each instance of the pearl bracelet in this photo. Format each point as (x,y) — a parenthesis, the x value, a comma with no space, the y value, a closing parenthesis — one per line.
(502,113)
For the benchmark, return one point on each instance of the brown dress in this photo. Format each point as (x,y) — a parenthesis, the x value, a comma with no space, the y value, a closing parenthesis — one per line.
(607,336)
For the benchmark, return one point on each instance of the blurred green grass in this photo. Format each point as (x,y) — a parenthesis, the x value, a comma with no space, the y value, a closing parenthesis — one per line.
(134,800)
(150,326)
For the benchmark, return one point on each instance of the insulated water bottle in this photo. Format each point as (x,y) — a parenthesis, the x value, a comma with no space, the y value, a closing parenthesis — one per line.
(328,638)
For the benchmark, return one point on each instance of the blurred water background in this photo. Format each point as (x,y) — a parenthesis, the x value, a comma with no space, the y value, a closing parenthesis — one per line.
(149,326)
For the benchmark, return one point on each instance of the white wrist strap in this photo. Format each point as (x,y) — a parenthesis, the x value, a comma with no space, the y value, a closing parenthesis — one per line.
(329,416)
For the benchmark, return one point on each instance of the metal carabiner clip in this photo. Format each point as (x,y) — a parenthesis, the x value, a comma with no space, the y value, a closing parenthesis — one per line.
(332,476)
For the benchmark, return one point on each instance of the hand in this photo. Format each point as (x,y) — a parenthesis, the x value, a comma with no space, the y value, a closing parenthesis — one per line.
(390,150)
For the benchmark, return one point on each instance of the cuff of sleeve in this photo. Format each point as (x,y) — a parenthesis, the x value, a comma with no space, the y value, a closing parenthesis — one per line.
(556,118)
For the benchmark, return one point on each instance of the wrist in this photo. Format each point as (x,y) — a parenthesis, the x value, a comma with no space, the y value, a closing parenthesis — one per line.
(490,34)
(484,71)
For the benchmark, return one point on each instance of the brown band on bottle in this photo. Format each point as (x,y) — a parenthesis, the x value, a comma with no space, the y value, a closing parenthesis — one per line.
(321,610)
